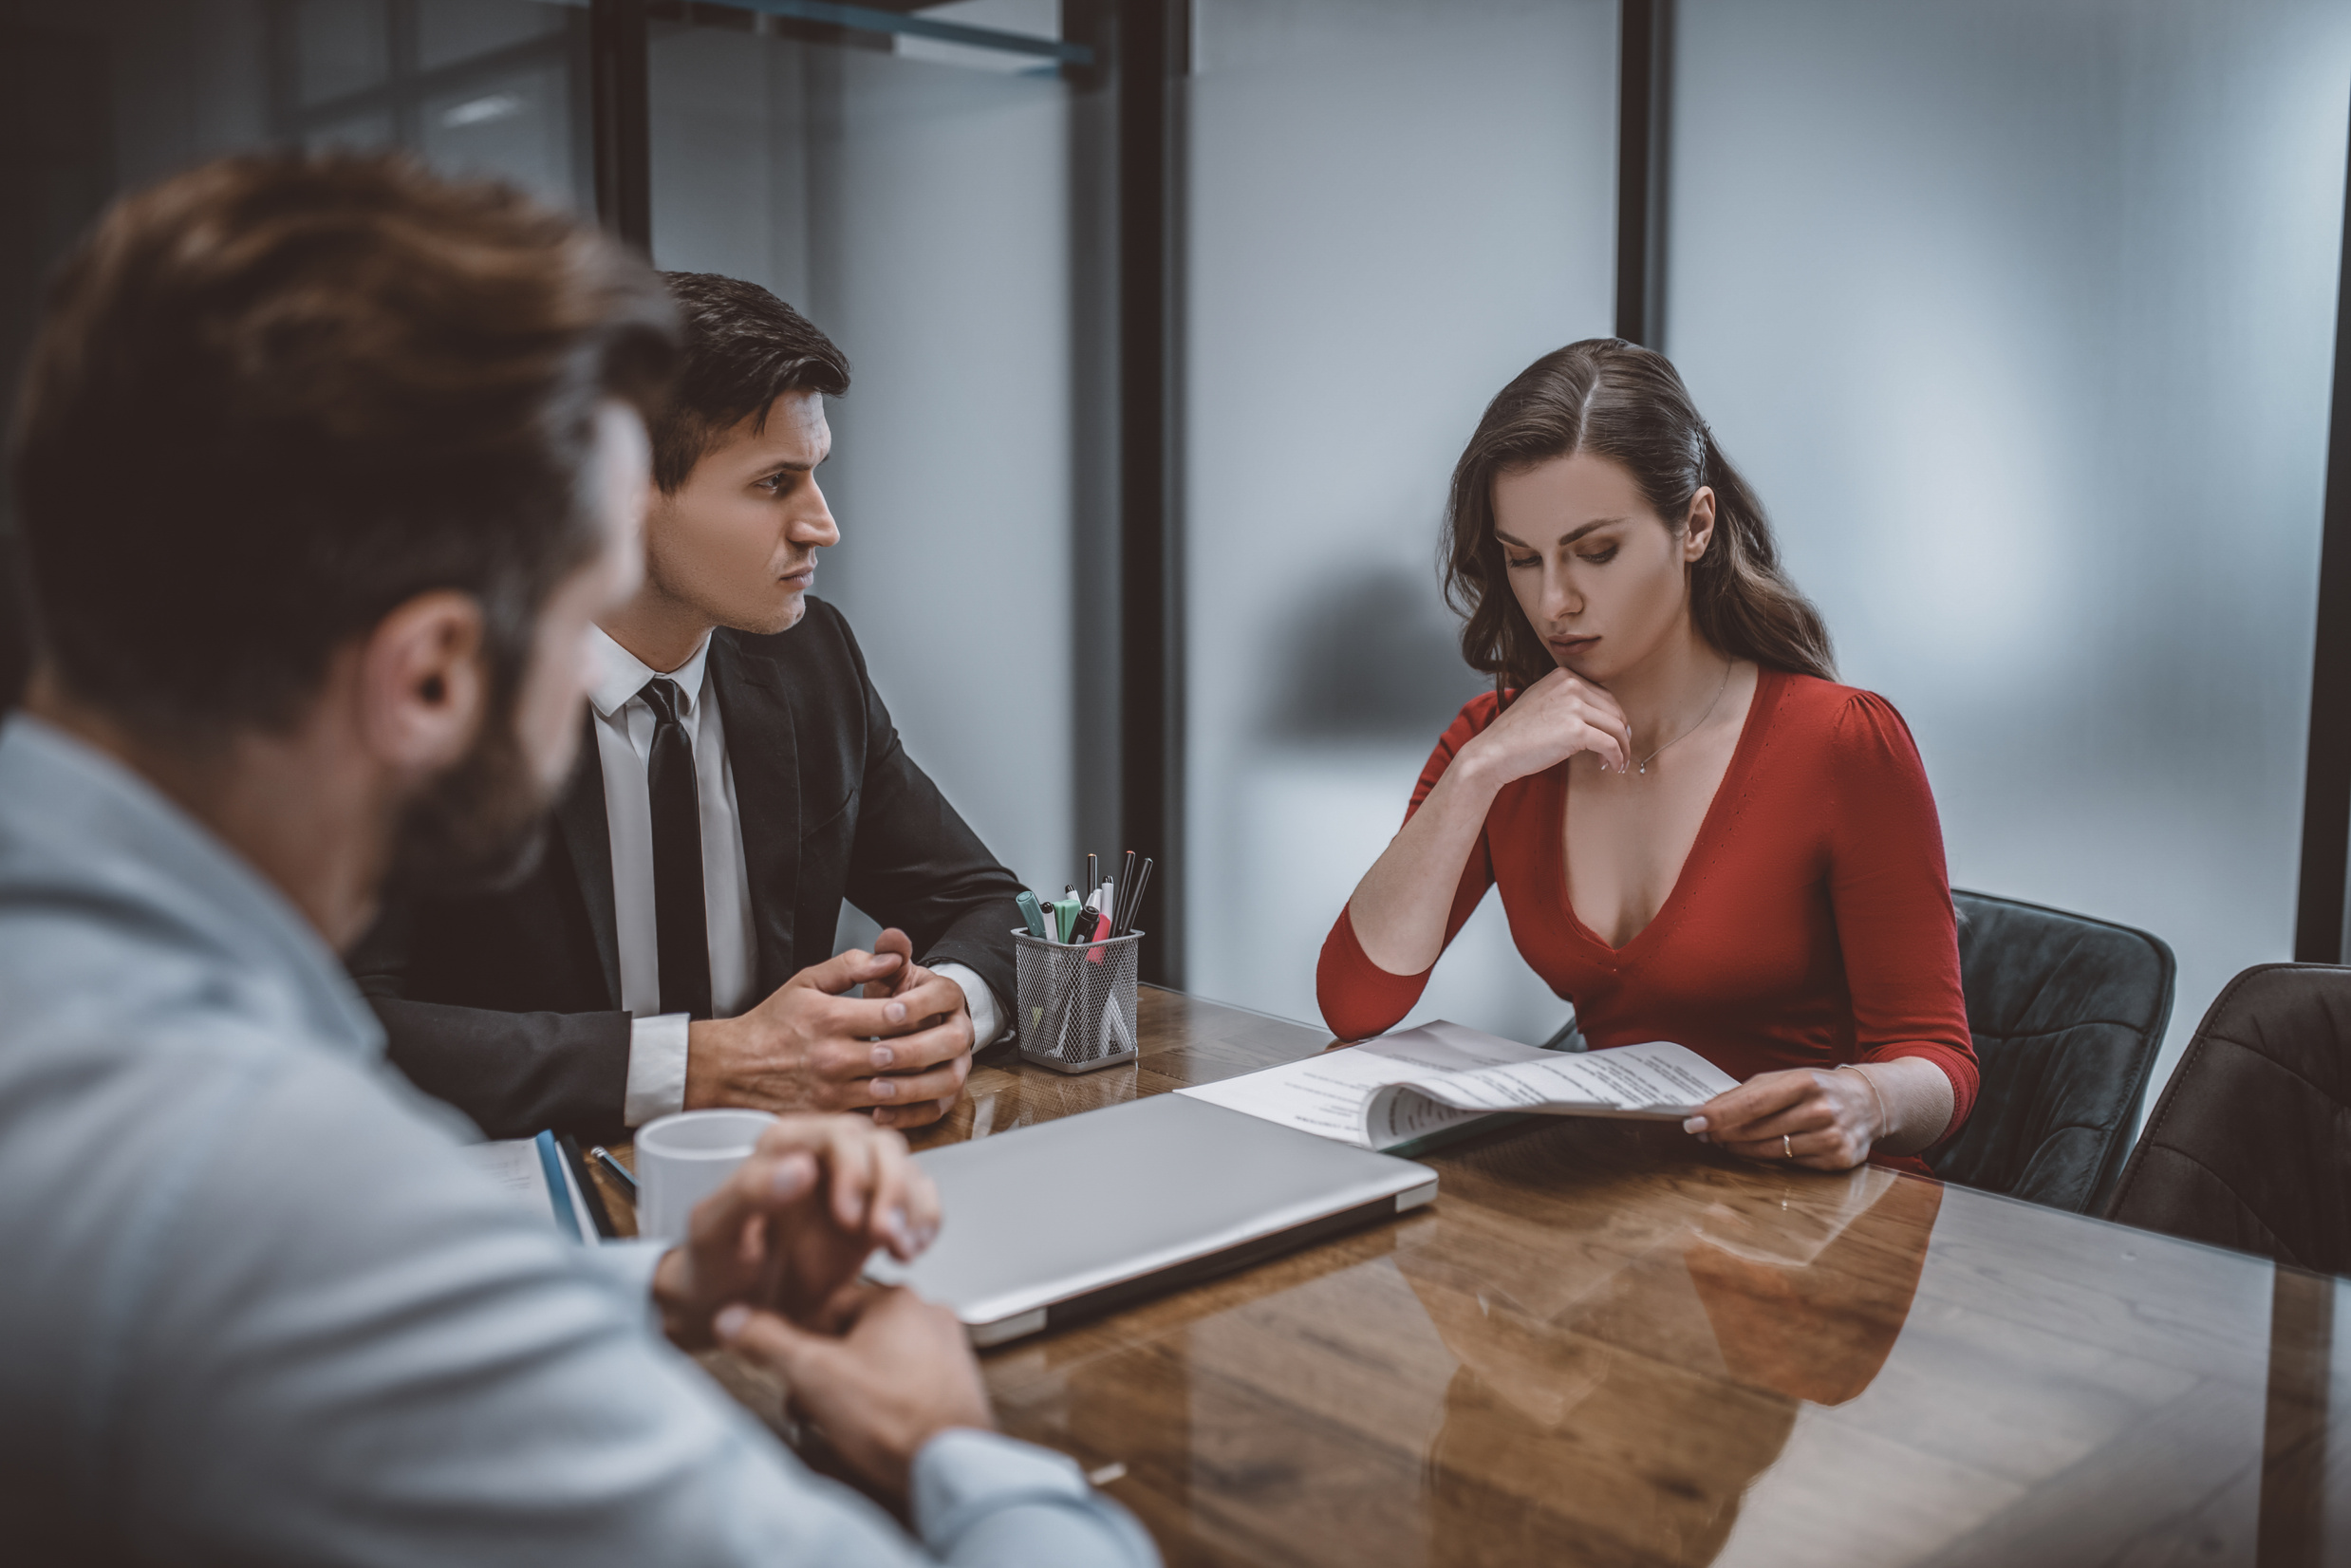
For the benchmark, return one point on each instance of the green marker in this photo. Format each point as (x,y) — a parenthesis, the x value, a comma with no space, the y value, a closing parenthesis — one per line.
(1032,912)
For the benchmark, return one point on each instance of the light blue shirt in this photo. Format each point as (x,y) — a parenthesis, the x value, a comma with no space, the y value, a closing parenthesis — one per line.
(259,1309)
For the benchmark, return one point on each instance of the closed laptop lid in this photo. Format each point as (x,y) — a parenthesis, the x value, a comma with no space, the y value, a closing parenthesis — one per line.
(1056,1213)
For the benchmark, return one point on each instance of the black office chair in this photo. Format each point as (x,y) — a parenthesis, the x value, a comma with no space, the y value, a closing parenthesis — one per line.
(2068,1013)
(2251,1145)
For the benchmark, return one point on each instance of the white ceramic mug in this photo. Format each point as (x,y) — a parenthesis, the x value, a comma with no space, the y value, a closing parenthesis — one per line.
(683,1159)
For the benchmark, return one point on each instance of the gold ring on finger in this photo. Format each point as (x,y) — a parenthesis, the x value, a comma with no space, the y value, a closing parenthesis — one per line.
(1787,1146)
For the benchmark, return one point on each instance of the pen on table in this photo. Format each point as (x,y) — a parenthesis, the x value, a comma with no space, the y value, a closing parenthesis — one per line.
(614,1168)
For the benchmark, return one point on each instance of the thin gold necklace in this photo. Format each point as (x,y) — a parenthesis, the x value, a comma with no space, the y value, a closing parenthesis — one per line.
(1701,720)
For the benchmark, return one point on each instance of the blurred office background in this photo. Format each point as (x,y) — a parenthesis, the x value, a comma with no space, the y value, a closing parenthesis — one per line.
(1169,321)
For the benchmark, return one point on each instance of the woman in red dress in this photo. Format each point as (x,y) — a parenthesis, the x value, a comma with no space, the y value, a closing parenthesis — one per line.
(1698,834)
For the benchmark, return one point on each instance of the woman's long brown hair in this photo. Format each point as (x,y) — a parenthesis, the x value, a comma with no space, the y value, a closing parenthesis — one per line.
(1624,403)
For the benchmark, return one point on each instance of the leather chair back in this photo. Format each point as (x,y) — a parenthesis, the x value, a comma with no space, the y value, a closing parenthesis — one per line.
(2251,1145)
(2068,1013)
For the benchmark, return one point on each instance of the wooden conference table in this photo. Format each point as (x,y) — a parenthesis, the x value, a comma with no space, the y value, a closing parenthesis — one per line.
(1606,1343)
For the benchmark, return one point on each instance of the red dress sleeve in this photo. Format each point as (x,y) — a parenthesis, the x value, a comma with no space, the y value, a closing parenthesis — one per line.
(1358,997)
(1891,894)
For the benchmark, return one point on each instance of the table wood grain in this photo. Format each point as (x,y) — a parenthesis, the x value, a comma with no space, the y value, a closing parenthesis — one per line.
(1608,1344)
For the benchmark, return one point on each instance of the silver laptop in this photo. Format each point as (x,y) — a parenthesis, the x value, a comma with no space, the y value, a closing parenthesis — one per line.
(1074,1217)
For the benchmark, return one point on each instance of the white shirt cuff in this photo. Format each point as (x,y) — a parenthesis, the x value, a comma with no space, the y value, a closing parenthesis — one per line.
(963,1472)
(656,1068)
(979,1497)
(986,1020)
(631,1260)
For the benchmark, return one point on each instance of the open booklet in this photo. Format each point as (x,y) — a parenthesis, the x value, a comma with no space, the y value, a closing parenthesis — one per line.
(535,1171)
(1403,1087)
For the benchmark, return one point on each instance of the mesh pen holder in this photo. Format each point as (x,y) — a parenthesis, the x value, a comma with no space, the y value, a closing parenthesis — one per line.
(1077,1004)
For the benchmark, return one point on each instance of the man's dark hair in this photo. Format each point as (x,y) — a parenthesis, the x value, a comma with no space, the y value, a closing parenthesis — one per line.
(276,395)
(745,349)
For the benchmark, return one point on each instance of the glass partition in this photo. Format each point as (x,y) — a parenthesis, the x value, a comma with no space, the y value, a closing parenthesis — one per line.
(1392,209)
(474,86)
(914,198)
(102,96)
(2020,315)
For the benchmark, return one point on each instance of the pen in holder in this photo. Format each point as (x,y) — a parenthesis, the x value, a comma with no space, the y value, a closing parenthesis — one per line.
(1077,1003)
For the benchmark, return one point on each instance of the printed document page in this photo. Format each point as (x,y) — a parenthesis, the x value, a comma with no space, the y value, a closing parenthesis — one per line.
(1405,1086)
(514,1163)
(517,1165)
(1656,1079)
(1326,1094)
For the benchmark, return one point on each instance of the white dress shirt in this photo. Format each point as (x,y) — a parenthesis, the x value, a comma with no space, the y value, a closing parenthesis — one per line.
(657,1041)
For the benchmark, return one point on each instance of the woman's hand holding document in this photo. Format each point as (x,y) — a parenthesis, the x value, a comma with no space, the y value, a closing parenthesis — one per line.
(1404,1085)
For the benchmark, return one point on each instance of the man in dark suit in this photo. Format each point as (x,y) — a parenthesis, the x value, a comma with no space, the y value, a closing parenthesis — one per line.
(741,776)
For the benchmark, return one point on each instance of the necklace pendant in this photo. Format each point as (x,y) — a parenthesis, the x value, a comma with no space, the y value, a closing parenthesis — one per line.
(1645,770)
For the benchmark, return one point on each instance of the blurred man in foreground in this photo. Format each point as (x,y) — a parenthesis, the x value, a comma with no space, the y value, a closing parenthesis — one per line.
(324,468)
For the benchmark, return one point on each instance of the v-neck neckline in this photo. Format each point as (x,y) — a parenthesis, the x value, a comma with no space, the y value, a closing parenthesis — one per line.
(1769,684)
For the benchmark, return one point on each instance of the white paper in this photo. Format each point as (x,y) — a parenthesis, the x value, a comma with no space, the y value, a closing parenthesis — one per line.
(1326,1094)
(516,1165)
(1402,1086)
(1655,1080)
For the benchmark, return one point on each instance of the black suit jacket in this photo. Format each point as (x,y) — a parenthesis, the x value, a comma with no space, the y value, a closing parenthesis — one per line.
(508,1005)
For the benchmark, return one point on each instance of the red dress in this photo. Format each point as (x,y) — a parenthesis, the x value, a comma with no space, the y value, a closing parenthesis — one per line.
(1812,924)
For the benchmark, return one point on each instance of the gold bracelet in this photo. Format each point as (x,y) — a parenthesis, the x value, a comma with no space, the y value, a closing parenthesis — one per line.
(1884,1125)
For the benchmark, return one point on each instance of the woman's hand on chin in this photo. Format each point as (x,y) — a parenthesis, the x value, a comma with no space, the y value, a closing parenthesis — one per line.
(1810,1116)
(1549,722)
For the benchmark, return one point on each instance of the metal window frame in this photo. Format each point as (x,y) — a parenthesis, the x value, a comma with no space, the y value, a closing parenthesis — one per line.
(1644,101)
(619,118)
(1152,58)
(2318,915)
(1064,50)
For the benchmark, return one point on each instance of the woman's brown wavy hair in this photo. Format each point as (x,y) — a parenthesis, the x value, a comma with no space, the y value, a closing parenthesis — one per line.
(1624,403)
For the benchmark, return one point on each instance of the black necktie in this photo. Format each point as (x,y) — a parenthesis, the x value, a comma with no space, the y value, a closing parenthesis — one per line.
(680,935)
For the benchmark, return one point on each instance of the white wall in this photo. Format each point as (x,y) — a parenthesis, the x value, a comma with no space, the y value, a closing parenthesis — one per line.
(2020,314)
(1393,206)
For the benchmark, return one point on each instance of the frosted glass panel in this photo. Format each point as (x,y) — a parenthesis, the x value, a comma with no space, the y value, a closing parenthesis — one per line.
(2019,313)
(340,47)
(919,214)
(1392,208)
(450,31)
(516,125)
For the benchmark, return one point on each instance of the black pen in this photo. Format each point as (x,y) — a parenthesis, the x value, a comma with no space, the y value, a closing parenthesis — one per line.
(1134,905)
(614,1168)
(1124,897)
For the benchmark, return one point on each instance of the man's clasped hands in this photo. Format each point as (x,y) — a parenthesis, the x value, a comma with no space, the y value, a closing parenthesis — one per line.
(771,1271)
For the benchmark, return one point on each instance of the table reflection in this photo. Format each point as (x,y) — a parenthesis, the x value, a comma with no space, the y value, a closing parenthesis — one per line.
(1607,1344)
(1640,1403)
